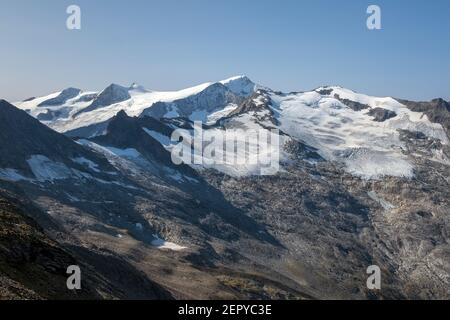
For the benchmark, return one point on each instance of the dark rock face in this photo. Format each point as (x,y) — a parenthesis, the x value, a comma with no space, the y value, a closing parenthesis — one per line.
(249,105)
(61,98)
(112,94)
(155,125)
(302,151)
(210,99)
(437,110)
(261,109)
(48,115)
(381,115)
(214,97)
(125,132)
(324,92)
(355,106)
(157,110)
(22,136)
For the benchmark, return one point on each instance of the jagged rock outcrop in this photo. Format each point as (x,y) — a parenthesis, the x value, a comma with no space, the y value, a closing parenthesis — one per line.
(381,115)
(437,110)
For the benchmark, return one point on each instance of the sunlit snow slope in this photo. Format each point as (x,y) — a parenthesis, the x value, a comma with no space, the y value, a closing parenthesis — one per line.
(359,131)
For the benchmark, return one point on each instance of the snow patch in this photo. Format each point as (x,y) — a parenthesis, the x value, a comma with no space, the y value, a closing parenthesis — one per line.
(129,153)
(164,140)
(163,244)
(45,169)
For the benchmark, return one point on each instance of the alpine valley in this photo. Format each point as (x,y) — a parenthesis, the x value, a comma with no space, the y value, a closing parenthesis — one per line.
(87,179)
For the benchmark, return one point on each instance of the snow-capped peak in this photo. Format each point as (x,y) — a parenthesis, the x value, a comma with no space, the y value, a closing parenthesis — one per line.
(112,94)
(240,85)
(137,88)
(114,87)
(239,77)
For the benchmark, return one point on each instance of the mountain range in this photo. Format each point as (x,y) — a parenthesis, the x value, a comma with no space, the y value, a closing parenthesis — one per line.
(90,180)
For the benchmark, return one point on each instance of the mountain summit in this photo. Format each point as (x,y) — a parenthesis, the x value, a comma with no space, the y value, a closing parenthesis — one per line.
(111,95)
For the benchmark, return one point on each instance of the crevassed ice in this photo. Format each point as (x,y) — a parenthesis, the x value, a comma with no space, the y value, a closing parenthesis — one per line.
(368,148)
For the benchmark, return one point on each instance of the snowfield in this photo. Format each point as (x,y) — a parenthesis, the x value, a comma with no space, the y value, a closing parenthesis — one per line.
(368,148)
(163,244)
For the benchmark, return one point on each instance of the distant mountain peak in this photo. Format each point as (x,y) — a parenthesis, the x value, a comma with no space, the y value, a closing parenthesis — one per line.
(234,78)
(112,94)
(114,85)
(71,90)
(8,108)
(62,97)
(121,114)
(240,85)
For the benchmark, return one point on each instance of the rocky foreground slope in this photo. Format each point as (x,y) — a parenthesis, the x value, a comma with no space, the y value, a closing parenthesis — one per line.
(33,266)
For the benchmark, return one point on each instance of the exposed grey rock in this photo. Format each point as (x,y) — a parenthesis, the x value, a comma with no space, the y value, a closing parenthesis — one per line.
(87,97)
(354,105)
(65,95)
(112,94)
(381,115)
(324,92)
(437,110)
(88,131)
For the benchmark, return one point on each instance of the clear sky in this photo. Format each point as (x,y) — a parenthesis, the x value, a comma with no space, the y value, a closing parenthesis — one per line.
(171,44)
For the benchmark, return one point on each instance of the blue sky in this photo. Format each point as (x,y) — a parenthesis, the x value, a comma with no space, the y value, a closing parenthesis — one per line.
(171,44)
